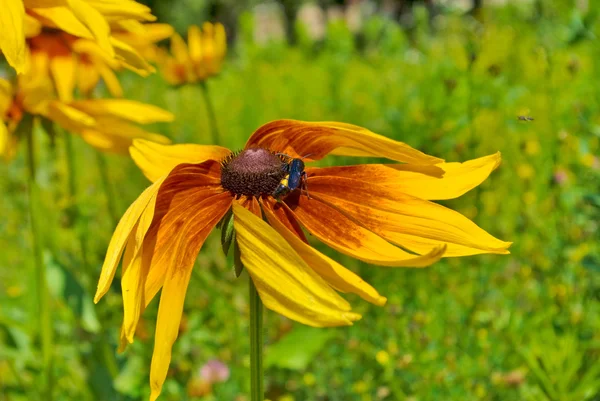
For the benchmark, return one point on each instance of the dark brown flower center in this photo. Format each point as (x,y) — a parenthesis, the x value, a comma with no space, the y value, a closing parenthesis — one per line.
(252,172)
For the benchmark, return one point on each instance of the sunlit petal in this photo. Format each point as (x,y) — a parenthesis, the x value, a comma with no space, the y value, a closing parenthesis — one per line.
(348,236)
(442,181)
(131,110)
(405,220)
(156,160)
(185,230)
(335,274)
(12,39)
(285,283)
(121,235)
(314,140)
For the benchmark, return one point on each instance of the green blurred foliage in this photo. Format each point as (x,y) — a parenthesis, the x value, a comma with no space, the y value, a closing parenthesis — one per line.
(518,327)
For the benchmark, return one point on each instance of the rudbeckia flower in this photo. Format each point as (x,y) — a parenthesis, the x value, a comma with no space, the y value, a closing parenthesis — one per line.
(74,62)
(199,59)
(107,124)
(89,19)
(378,213)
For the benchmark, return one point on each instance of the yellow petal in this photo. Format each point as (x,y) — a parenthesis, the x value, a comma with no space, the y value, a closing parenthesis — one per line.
(121,235)
(12,39)
(135,270)
(69,117)
(348,236)
(442,181)
(33,27)
(335,274)
(195,43)
(63,71)
(410,222)
(285,283)
(131,58)
(6,96)
(95,22)
(118,10)
(126,109)
(314,140)
(87,78)
(156,160)
(110,80)
(63,19)
(4,139)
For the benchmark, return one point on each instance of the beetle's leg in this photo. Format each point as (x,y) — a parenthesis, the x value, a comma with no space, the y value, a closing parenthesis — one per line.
(304,185)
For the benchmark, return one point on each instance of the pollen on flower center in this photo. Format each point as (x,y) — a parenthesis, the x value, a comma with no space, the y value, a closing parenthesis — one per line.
(252,172)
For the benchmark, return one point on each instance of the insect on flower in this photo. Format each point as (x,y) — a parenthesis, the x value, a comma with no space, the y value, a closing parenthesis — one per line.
(295,177)
(389,221)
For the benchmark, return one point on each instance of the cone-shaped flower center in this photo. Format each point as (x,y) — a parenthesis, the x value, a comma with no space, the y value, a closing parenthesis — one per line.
(252,172)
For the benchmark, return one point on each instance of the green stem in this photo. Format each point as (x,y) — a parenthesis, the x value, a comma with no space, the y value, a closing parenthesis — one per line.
(108,191)
(73,205)
(212,117)
(45,317)
(256,345)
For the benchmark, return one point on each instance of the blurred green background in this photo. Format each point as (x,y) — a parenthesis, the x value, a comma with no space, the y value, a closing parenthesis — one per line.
(445,78)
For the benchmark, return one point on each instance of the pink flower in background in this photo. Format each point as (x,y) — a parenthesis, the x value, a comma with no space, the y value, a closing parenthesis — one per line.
(561,176)
(214,371)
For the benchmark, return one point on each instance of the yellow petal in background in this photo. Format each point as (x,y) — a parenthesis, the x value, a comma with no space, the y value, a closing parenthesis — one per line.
(335,274)
(95,22)
(68,117)
(12,39)
(285,283)
(130,110)
(62,68)
(156,160)
(195,43)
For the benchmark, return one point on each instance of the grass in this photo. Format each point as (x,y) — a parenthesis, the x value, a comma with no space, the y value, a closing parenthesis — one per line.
(523,326)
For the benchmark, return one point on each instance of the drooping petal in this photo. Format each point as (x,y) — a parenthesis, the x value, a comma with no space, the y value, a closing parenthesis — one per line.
(405,220)
(135,270)
(285,283)
(335,274)
(121,235)
(94,21)
(348,236)
(185,230)
(118,140)
(69,117)
(156,160)
(63,19)
(130,110)
(63,72)
(118,9)
(12,39)
(110,80)
(130,58)
(442,181)
(285,217)
(187,182)
(314,140)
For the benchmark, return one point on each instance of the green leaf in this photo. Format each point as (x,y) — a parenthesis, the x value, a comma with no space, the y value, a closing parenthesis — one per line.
(298,348)
(237,259)
(227,232)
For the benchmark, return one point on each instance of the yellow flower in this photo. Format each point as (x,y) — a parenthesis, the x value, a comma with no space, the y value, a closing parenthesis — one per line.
(107,124)
(200,59)
(89,19)
(75,62)
(365,211)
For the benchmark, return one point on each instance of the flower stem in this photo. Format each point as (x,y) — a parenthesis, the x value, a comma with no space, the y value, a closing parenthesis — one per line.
(256,345)
(73,205)
(45,317)
(210,110)
(108,191)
